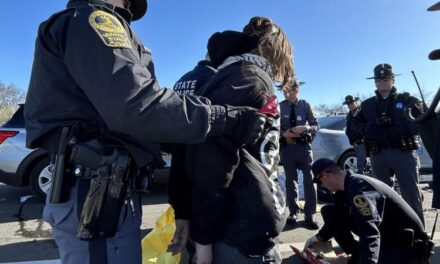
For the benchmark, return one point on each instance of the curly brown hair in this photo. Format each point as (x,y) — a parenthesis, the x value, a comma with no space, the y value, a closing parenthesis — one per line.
(275,47)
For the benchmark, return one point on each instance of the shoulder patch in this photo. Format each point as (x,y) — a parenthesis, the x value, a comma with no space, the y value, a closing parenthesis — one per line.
(419,106)
(362,204)
(109,29)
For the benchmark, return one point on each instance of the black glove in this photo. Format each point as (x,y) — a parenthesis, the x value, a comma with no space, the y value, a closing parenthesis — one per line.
(244,124)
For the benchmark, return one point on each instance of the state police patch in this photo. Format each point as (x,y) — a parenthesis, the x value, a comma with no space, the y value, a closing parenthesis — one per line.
(109,29)
(362,205)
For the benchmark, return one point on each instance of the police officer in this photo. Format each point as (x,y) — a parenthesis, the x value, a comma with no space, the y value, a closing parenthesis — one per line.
(95,105)
(298,124)
(435,55)
(391,140)
(389,230)
(355,138)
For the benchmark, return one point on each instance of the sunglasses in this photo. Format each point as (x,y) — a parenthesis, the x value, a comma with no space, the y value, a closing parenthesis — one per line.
(382,80)
(319,176)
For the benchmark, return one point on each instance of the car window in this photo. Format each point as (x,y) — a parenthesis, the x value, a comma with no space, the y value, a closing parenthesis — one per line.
(332,122)
(17,119)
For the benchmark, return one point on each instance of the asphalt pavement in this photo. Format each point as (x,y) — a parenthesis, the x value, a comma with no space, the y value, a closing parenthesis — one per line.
(25,238)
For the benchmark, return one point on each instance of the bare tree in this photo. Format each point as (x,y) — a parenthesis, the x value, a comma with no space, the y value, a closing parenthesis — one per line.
(324,109)
(335,109)
(10,97)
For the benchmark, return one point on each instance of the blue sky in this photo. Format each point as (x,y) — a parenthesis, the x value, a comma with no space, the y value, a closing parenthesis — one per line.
(337,42)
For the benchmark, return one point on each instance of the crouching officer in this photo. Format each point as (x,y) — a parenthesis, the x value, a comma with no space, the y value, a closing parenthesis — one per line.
(389,230)
(355,138)
(390,139)
(95,105)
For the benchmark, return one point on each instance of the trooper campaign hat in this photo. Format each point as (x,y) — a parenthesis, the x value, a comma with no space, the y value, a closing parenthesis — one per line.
(138,8)
(296,84)
(321,165)
(383,71)
(434,7)
(435,54)
(350,99)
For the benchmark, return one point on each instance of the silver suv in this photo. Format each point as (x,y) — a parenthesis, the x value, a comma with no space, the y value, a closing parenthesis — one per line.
(331,142)
(20,166)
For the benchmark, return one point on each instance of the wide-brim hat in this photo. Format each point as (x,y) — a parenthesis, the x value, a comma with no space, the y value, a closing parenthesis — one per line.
(383,71)
(320,165)
(297,83)
(435,54)
(138,8)
(350,99)
(434,7)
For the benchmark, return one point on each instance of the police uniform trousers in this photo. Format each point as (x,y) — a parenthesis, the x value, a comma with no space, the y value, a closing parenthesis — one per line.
(293,157)
(224,253)
(361,157)
(125,247)
(339,225)
(405,165)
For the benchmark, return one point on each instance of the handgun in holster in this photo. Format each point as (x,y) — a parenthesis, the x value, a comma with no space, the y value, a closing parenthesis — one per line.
(109,180)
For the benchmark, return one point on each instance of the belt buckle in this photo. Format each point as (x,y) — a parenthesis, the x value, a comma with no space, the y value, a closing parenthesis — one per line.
(290,141)
(266,258)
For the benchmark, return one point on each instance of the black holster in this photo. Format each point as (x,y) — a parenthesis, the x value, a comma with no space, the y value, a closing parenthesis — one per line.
(60,185)
(110,178)
(371,147)
(424,248)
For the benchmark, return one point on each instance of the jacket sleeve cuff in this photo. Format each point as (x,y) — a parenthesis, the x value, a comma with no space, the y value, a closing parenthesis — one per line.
(217,120)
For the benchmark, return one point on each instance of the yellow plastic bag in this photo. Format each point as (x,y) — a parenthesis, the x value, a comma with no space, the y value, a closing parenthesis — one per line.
(154,245)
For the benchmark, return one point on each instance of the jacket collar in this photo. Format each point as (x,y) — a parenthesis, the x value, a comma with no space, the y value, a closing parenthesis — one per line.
(124,13)
(393,94)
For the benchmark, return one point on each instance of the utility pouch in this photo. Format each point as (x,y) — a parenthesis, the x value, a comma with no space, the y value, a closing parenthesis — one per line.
(424,248)
(409,143)
(407,237)
(105,198)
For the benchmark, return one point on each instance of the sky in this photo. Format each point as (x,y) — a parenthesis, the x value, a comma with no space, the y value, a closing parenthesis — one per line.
(337,43)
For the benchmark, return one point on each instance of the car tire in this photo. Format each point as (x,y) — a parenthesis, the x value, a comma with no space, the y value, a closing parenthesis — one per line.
(348,161)
(39,179)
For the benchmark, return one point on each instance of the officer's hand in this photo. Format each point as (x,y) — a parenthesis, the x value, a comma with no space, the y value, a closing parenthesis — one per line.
(203,254)
(299,129)
(310,241)
(180,237)
(244,124)
(289,134)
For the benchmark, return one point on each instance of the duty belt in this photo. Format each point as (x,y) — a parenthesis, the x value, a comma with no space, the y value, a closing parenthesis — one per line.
(303,139)
(358,142)
(89,164)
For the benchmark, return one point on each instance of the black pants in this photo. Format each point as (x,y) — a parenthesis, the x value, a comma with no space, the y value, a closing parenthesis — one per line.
(339,225)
